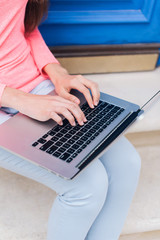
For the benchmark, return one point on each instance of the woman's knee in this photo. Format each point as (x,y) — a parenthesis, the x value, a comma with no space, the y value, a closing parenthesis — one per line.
(89,188)
(132,160)
(122,160)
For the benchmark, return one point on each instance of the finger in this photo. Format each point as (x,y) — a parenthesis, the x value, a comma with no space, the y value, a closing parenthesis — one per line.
(56,118)
(70,97)
(67,114)
(94,89)
(84,90)
(74,110)
(63,100)
(77,112)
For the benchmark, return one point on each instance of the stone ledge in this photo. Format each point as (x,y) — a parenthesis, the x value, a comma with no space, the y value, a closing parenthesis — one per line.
(142,236)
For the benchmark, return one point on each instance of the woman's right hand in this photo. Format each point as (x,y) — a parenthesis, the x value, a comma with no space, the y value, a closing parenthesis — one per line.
(43,107)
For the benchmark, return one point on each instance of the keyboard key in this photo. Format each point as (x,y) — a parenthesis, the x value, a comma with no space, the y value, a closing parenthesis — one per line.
(35,144)
(80,142)
(45,136)
(56,154)
(88,110)
(63,131)
(110,106)
(100,124)
(118,113)
(52,149)
(91,131)
(103,103)
(68,127)
(69,160)
(64,139)
(76,128)
(88,118)
(83,130)
(87,126)
(101,130)
(79,150)
(92,138)
(71,141)
(65,122)
(46,145)
(41,140)
(84,138)
(113,110)
(54,139)
(59,143)
(105,126)
(68,135)
(75,146)
(57,128)
(102,114)
(84,146)
(51,133)
(61,149)
(49,151)
(79,134)
(74,155)
(103,120)
(72,132)
(64,156)
(96,127)
(88,134)
(88,142)
(99,116)
(116,108)
(71,150)
(59,135)
(96,134)
(75,137)
(66,145)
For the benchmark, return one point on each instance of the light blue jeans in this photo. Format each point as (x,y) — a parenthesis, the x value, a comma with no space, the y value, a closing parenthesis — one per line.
(93,205)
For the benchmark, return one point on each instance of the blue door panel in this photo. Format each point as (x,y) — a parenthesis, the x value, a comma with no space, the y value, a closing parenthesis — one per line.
(102,22)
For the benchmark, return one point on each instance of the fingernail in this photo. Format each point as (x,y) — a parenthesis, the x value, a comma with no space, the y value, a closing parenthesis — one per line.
(85,119)
(81,123)
(74,124)
(92,106)
(96,103)
(76,101)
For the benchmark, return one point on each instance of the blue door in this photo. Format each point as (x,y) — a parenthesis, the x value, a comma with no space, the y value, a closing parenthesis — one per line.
(102,22)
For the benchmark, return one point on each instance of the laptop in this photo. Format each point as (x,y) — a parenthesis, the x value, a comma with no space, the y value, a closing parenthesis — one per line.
(67,150)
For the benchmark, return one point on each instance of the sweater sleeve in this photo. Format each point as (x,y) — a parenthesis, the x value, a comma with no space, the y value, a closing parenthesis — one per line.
(41,53)
(2,87)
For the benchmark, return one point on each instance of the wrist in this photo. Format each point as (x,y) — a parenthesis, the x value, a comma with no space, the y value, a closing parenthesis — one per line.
(55,71)
(12,98)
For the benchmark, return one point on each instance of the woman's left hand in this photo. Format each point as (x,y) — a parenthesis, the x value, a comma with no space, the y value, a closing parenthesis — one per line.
(64,83)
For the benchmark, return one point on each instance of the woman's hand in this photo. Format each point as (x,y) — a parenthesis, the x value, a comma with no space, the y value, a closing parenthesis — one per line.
(43,107)
(64,83)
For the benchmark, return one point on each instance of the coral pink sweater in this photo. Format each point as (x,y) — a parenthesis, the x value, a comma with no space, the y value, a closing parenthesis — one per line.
(21,58)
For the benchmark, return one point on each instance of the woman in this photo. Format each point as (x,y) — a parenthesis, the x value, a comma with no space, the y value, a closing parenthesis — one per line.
(94,205)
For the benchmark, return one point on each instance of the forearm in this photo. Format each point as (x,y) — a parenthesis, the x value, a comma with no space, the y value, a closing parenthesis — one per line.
(55,71)
(12,98)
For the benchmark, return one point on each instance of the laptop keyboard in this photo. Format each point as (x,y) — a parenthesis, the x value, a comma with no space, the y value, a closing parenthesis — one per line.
(66,142)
